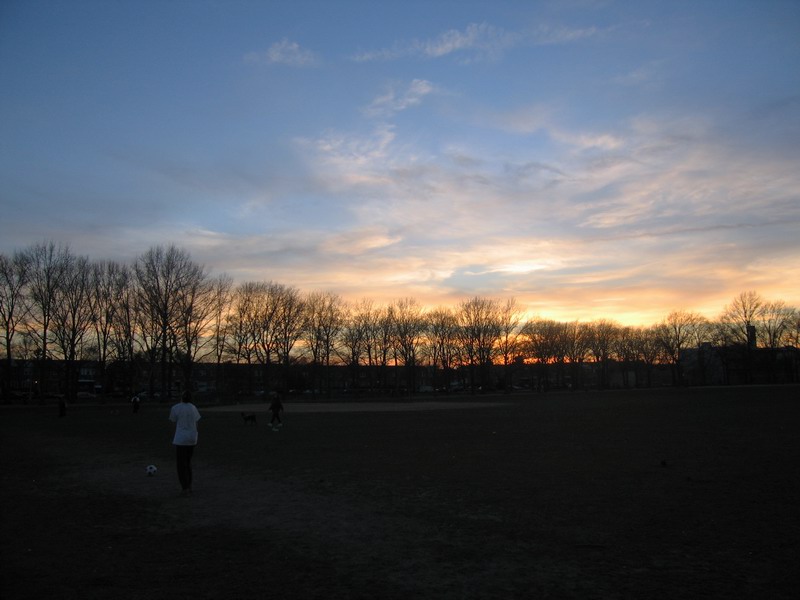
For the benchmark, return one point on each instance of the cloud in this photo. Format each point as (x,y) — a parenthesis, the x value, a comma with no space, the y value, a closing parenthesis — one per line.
(350,157)
(612,223)
(541,118)
(394,100)
(487,40)
(584,140)
(478,41)
(648,76)
(360,241)
(524,120)
(546,34)
(284,52)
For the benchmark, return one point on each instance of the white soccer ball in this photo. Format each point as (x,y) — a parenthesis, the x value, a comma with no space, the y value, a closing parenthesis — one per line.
(150,470)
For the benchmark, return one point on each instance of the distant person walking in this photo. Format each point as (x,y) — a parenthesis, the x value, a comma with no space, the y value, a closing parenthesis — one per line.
(135,402)
(276,408)
(185,416)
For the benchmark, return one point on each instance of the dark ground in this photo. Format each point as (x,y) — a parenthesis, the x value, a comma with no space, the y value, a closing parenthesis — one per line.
(658,494)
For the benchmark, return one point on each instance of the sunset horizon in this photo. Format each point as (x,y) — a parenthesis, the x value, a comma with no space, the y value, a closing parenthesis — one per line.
(591,160)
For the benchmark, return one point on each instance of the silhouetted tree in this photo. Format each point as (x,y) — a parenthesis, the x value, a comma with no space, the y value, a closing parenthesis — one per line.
(509,319)
(47,262)
(14,273)
(577,336)
(323,322)
(479,329)
(195,310)
(409,330)
(379,331)
(221,304)
(443,340)
(627,351)
(125,325)
(650,350)
(678,331)
(289,323)
(602,338)
(544,344)
(72,315)
(106,293)
(353,343)
(241,322)
(774,322)
(168,281)
(742,314)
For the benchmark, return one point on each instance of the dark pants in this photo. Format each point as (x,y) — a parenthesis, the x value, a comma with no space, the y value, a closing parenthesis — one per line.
(276,416)
(184,455)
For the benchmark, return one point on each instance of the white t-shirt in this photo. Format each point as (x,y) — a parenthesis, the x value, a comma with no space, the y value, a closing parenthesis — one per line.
(185,416)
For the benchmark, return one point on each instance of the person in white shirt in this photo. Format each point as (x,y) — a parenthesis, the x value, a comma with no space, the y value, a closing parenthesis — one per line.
(185,416)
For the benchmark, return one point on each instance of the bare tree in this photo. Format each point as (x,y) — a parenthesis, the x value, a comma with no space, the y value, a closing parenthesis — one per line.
(627,350)
(221,300)
(195,310)
(267,301)
(47,263)
(165,277)
(324,319)
(602,339)
(125,323)
(793,330)
(546,341)
(220,305)
(409,330)
(444,343)
(774,322)
(289,322)
(72,315)
(149,337)
(577,336)
(379,327)
(793,339)
(14,272)
(479,329)
(106,294)
(353,347)
(509,319)
(241,322)
(679,330)
(279,318)
(650,350)
(741,316)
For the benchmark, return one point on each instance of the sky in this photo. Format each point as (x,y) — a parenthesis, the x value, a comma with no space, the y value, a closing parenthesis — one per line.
(590,159)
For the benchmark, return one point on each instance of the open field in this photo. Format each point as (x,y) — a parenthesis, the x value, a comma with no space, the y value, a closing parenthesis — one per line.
(690,493)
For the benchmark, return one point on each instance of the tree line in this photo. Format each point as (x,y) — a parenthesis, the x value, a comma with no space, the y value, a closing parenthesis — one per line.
(167,312)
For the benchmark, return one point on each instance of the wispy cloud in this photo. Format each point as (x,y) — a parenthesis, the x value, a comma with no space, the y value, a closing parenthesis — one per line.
(524,120)
(542,118)
(545,34)
(653,188)
(284,52)
(648,75)
(584,140)
(478,41)
(394,100)
(341,149)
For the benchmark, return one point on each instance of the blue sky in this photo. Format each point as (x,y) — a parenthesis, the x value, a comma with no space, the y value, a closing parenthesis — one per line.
(592,159)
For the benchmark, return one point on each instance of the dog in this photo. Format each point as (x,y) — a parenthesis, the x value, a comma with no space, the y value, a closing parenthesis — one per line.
(249,418)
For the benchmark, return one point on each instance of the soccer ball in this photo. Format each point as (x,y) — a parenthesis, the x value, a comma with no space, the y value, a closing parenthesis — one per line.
(150,470)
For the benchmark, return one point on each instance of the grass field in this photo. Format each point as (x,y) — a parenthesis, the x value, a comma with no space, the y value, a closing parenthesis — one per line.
(691,493)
